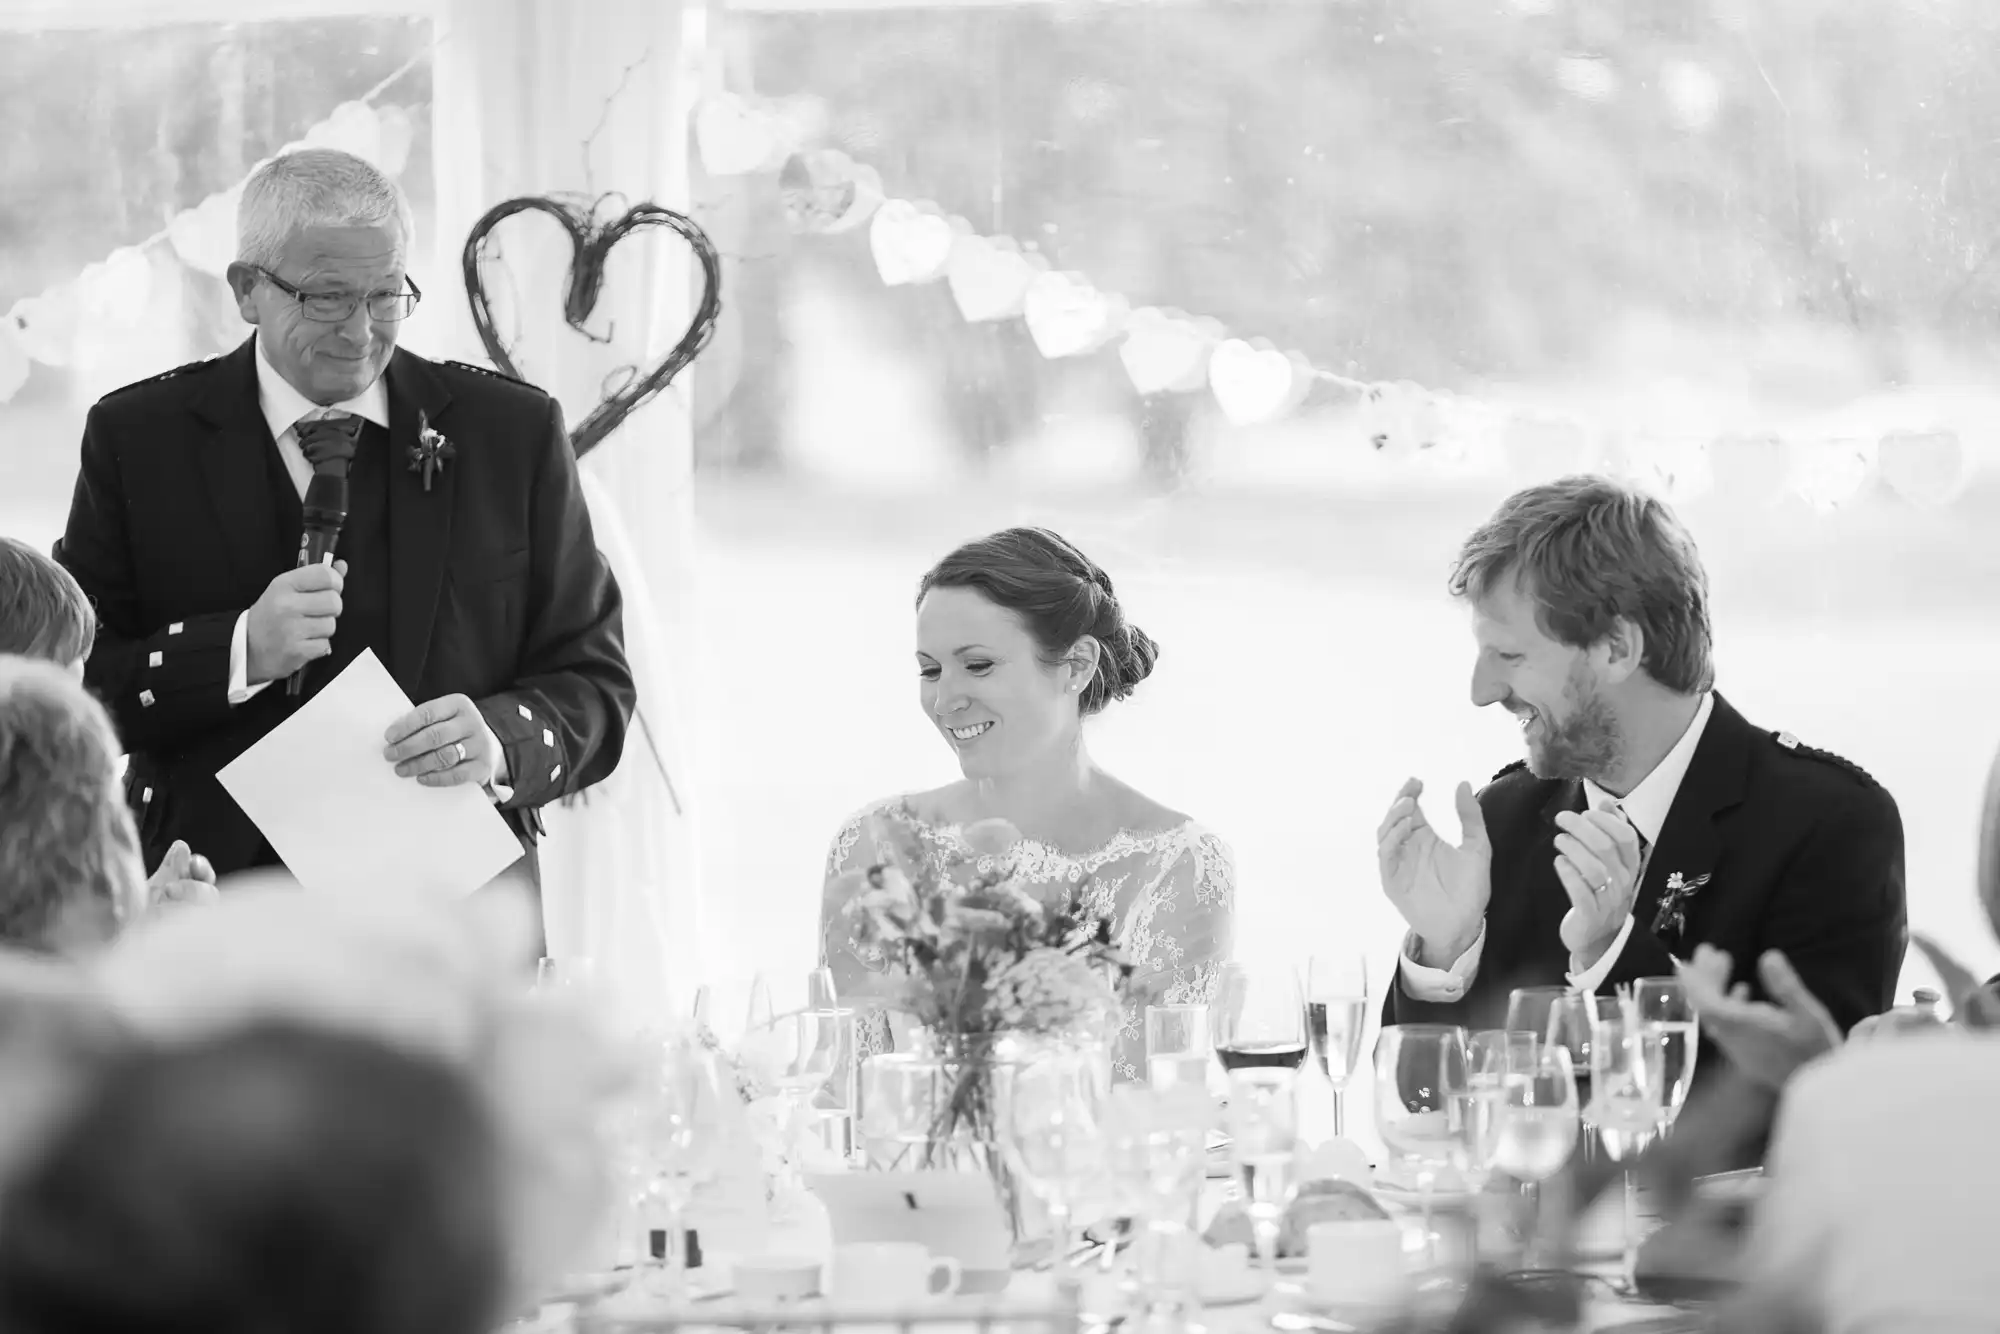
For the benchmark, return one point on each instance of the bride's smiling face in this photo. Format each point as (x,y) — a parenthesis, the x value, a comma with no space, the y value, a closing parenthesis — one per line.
(984,684)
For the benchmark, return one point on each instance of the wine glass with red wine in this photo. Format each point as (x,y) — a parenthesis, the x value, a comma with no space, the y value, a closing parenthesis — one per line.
(1258,1019)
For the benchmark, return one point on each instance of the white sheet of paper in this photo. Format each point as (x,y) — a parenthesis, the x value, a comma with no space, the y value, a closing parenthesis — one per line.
(336,812)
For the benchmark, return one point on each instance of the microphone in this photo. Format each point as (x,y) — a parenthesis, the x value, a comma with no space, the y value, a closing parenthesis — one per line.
(325,510)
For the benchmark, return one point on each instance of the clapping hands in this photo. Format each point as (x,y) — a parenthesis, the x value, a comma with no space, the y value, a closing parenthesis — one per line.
(1440,890)
(1766,1042)
(183,877)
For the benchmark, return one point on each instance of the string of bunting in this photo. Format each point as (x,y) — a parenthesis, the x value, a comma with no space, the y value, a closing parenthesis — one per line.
(114,292)
(1253,381)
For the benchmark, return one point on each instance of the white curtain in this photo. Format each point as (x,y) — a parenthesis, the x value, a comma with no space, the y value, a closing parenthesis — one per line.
(589,97)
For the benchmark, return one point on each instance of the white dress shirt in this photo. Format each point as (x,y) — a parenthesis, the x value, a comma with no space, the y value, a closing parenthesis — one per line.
(284,408)
(1645,807)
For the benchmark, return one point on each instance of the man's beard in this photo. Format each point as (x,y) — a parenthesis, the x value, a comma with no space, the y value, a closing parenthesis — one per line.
(1586,744)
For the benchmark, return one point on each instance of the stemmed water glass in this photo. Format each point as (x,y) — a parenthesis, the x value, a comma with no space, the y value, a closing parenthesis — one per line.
(1055,1139)
(1258,1019)
(1663,1005)
(1537,1124)
(1421,1079)
(668,1123)
(1263,1146)
(1560,1018)
(1336,1017)
(1155,1142)
(1626,1099)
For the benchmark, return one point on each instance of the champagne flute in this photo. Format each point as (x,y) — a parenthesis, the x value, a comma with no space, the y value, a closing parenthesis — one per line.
(1263,1145)
(1258,1019)
(1663,1003)
(1420,1070)
(1337,1016)
(1626,1102)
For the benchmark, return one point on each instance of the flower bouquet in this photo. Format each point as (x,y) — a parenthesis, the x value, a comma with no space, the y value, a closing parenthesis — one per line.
(985,967)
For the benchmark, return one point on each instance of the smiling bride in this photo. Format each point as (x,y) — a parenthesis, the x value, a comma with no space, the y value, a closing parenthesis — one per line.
(1020,638)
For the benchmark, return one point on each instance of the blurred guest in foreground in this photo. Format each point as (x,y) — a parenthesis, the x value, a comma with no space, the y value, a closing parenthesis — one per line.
(70,874)
(1020,639)
(1884,1167)
(1649,816)
(44,614)
(274,1180)
(428,976)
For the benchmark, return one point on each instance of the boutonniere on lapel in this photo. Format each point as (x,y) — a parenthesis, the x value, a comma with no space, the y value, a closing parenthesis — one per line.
(1673,908)
(431,452)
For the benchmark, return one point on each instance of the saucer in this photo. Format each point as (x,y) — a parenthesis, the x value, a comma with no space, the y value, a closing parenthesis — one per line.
(1235,1289)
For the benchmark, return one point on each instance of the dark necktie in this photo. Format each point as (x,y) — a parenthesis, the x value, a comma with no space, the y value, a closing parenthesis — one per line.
(329,442)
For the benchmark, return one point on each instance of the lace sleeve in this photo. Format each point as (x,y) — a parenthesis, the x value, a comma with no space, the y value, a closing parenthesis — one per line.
(1179,933)
(857,969)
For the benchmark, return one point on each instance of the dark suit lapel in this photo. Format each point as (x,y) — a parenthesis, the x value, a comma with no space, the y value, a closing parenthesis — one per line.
(234,462)
(1690,842)
(419,520)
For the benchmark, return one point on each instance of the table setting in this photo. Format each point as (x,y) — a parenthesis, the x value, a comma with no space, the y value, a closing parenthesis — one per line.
(987,1171)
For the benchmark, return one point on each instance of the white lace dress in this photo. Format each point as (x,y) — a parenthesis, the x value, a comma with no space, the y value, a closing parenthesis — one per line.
(1170,896)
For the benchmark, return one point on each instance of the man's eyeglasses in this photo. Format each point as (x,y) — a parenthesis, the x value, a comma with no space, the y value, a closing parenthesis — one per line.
(334,307)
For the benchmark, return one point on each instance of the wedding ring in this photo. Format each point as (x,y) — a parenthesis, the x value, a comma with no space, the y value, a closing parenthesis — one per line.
(1600,889)
(459,746)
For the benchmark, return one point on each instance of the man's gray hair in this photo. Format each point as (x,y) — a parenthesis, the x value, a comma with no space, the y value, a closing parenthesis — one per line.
(69,855)
(314,187)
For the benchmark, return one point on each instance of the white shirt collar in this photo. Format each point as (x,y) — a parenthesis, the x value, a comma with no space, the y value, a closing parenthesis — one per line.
(283,405)
(1646,805)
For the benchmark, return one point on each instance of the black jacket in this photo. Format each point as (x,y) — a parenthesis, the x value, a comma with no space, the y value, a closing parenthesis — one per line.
(492,585)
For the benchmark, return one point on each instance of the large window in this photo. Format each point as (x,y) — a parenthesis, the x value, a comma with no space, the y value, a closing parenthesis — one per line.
(1643,236)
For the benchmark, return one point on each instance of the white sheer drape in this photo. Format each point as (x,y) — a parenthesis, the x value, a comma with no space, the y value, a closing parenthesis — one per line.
(540,97)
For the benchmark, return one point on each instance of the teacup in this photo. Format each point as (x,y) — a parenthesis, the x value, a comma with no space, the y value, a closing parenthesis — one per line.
(890,1274)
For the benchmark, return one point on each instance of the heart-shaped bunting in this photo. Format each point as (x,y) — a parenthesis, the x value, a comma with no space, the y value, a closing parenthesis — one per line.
(989,277)
(911,244)
(1166,352)
(826,192)
(1927,468)
(736,138)
(1255,383)
(1067,317)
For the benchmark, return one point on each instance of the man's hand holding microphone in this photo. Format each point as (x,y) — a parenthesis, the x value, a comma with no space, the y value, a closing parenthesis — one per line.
(292,623)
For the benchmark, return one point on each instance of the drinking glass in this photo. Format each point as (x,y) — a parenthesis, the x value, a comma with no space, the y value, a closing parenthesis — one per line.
(1337,1017)
(1155,1142)
(1420,1078)
(1496,1060)
(672,1115)
(1663,1003)
(1263,1146)
(1538,1125)
(1055,1138)
(1258,1019)
(1626,1100)
(1177,1045)
(1560,1018)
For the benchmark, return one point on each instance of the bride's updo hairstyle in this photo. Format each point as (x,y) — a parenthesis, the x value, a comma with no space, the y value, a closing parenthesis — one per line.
(1060,595)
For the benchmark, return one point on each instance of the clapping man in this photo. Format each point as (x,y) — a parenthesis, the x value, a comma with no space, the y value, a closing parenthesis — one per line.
(1649,816)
